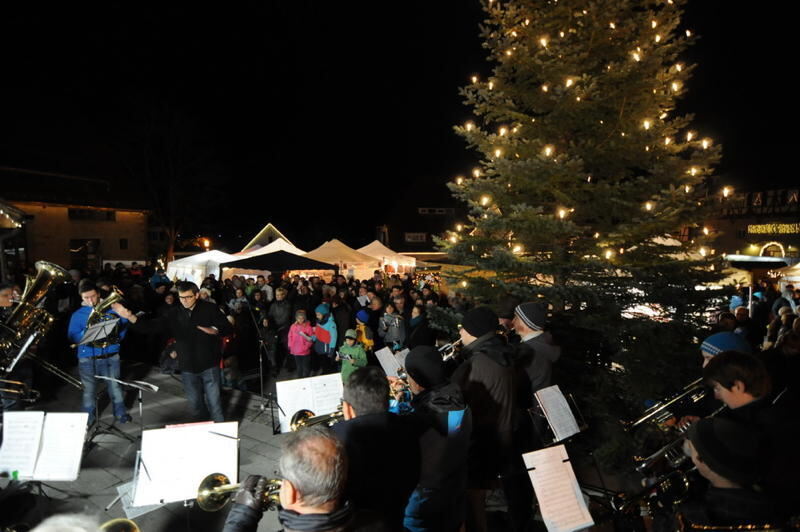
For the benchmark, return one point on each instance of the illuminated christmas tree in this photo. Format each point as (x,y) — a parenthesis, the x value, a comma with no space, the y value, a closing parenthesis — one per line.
(591,190)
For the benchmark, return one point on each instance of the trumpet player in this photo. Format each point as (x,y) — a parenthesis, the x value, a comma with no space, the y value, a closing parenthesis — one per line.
(742,383)
(313,469)
(97,360)
(382,451)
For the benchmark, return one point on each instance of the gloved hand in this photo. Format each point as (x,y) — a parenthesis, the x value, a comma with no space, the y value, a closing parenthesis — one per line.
(252,492)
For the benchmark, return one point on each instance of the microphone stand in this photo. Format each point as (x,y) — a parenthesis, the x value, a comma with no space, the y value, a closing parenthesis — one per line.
(268,402)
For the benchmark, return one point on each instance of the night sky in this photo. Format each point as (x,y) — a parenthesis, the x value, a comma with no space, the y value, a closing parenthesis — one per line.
(321,116)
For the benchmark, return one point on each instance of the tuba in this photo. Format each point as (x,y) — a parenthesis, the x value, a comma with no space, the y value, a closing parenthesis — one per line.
(98,315)
(28,323)
(216,490)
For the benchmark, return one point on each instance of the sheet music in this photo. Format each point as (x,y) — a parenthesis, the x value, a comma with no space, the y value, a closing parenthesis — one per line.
(175,460)
(388,361)
(401,357)
(321,394)
(557,411)
(561,502)
(22,434)
(62,446)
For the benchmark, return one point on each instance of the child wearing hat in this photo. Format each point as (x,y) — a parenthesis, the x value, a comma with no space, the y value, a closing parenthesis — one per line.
(301,340)
(351,354)
(365,336)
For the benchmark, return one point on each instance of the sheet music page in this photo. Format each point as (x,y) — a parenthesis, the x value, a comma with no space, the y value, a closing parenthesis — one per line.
(62,446)
(561,502)
(557,411)
(401,357)
(22,434)
(388,361)
(175,460)
(321,395)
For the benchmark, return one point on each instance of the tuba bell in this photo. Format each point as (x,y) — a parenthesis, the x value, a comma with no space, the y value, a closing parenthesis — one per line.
(216,490)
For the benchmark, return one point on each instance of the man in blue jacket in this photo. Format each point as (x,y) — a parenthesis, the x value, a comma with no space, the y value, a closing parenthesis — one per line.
(97,358)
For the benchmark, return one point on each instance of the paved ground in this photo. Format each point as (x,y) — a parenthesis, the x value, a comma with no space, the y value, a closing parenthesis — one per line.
(109,462)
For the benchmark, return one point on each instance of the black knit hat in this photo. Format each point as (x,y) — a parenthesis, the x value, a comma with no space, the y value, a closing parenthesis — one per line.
(532,314)
(480,321)
(728,448)
(424,365)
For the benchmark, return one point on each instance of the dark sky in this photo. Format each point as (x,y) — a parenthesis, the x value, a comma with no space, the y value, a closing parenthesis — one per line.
(320,116)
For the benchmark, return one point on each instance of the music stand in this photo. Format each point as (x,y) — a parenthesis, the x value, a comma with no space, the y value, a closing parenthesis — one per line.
(140,386)
(98,331)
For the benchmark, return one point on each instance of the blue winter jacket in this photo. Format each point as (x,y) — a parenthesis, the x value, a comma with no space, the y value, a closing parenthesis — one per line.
(77,326)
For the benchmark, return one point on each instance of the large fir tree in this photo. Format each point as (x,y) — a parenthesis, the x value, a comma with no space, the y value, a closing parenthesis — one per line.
(590,191)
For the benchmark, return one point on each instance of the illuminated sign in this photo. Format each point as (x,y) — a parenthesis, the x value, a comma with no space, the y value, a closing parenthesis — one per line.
(773,229)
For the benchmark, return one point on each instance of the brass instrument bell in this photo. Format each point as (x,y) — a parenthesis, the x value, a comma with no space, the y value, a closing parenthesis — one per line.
(216,490)
(306,418)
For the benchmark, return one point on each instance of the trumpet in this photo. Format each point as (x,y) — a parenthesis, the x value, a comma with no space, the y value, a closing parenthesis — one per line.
(449,351)
(306,418)
(216,490)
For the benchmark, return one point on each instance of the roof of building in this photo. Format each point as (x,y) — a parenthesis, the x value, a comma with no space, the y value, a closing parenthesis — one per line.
(268,234)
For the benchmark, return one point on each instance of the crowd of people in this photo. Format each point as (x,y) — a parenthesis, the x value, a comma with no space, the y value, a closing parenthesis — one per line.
(465,423)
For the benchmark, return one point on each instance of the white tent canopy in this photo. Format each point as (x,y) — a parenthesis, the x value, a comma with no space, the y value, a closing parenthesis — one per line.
(195,268)
(276,245)
(390,260)
(789,274)
(351,263)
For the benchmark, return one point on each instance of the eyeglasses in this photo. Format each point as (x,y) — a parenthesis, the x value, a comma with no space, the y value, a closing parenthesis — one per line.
(187,297)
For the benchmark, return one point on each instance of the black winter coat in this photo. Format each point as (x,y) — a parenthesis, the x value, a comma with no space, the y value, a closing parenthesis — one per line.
(197,351)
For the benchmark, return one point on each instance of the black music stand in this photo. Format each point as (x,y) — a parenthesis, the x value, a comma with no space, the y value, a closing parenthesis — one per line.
(140,386)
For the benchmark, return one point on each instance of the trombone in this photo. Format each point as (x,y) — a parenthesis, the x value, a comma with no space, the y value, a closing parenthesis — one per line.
(660,412)
(25,392)
(216,490)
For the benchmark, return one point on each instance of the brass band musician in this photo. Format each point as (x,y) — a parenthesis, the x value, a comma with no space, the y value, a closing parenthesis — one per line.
(102,359)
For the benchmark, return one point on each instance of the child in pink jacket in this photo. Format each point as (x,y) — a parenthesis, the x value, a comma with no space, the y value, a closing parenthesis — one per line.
(301,340)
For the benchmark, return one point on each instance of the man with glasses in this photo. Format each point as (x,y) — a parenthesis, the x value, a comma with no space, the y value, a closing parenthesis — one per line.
(196,326)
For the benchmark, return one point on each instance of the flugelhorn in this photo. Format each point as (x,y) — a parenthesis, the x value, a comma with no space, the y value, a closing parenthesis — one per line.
(306,418)
(449,351)
(216,490)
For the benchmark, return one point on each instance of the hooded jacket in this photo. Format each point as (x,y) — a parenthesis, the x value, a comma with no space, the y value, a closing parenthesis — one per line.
(328,325)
